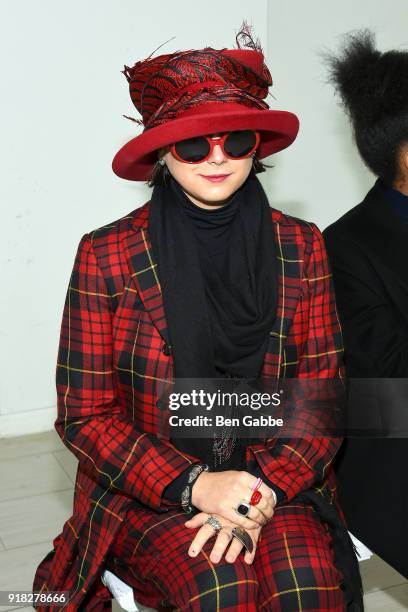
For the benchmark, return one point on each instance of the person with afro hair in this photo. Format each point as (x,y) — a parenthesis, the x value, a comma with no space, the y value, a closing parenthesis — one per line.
(368,254)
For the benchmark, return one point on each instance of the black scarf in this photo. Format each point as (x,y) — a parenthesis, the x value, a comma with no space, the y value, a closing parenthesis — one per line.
(217,324)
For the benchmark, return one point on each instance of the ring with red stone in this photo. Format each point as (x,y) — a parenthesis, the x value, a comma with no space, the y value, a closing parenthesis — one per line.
(255,498)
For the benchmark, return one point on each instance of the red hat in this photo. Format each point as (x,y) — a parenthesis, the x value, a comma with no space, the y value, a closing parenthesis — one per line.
(191,93)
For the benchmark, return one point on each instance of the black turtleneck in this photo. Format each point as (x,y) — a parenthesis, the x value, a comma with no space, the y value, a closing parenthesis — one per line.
(212,226)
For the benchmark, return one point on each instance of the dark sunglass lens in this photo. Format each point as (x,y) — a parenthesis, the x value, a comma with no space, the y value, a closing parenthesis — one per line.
(240,143)
(193,149)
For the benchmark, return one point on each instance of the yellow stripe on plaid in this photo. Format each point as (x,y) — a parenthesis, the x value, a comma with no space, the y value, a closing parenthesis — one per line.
(224,586)
(70,369)
(290,260)
(167,380)
(283,279)
(298,454)
(83,292)
(161,522)
(133,370)
(316,278)
(152,266)
(311,588)
(312,355)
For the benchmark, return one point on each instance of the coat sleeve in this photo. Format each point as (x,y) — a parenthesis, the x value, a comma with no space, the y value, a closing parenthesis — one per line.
(91,422)
(300,461)
(375,339)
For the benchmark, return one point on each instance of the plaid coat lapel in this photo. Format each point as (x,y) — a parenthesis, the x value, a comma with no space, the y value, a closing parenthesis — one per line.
(145,277)
(144,271)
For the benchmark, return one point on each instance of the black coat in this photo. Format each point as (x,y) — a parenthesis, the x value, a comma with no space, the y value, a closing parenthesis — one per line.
(368,253)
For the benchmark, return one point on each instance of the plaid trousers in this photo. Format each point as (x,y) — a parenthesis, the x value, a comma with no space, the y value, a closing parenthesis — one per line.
(293,568)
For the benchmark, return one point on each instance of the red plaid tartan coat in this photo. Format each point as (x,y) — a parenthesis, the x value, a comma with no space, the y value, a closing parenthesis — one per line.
(113,354)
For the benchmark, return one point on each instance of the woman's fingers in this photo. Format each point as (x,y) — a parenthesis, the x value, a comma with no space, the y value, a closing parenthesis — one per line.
(253,520)
(222,492)
(197,520)
(267,502)
(224,539)
(234,549)
(256,515)
(203,534)
(221,543)
(266,505)
(249,556)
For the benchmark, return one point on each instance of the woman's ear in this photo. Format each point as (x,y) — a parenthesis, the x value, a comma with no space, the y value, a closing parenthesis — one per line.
(401,181)
(405,159)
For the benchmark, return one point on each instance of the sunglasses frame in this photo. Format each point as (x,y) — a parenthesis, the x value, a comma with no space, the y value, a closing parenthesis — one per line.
(217,140)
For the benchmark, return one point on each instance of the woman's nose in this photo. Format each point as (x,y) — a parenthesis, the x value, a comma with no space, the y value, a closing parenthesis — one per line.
(217,154)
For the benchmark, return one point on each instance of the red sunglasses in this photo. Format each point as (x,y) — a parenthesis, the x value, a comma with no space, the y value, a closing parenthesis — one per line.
(235,145)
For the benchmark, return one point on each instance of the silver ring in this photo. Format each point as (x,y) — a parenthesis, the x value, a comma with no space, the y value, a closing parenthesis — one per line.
(243,536)
(214,522)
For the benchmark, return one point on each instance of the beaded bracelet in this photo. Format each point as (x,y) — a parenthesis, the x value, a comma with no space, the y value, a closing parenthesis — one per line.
(187,491)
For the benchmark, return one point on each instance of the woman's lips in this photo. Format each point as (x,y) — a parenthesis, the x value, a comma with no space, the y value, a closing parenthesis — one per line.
(215,178)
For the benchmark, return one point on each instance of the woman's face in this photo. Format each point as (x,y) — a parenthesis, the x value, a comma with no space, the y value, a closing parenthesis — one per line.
(200,190)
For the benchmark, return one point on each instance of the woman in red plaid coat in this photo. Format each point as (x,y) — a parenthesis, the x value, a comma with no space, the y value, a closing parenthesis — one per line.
(203,281)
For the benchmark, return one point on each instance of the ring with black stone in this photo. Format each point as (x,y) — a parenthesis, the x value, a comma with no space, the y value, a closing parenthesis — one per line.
(243,508)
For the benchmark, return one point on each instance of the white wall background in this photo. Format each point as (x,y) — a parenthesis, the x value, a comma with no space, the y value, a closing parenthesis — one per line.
(63,97)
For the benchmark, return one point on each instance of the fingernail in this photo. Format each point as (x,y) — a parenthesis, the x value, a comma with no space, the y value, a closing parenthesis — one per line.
(192,551)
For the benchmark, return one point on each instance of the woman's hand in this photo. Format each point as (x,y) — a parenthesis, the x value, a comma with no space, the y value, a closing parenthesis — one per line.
(224,539)
(221,493)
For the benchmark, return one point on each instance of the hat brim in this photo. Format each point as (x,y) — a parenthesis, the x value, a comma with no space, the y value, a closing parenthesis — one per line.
(135,160)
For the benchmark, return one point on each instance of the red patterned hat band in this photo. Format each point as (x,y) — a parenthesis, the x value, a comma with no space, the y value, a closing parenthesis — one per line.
(162,88)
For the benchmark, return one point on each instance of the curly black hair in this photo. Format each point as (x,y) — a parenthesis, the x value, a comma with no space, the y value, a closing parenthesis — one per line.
(373,87)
